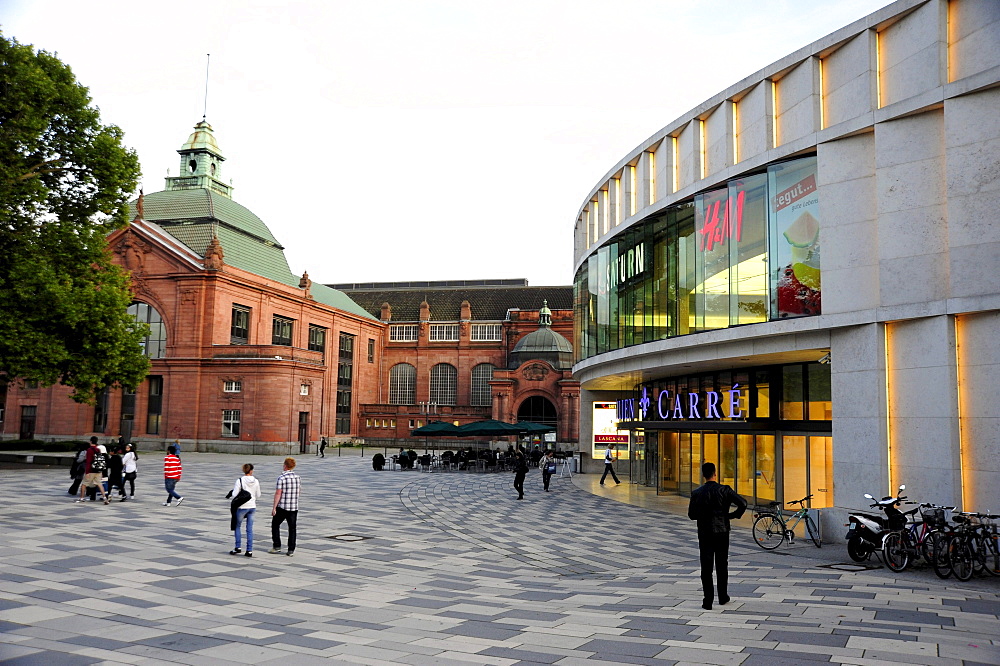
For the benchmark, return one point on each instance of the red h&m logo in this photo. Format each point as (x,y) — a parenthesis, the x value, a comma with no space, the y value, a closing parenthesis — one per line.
(719,231)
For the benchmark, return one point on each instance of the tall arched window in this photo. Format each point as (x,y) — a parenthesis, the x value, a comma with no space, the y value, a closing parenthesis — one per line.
(481,376)
(444,384)
(402,384)
(154,344)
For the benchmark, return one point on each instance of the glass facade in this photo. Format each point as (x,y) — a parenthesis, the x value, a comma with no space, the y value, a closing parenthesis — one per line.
(740,254)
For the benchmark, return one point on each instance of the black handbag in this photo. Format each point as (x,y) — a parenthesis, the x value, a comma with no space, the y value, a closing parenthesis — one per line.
(241,498)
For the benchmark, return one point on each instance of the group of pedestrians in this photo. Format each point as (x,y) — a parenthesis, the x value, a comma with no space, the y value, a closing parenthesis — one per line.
(95,470)
(547,463)
(284,509)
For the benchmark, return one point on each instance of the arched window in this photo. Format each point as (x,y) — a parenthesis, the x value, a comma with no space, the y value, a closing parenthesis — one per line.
(444,384)
(481,376)
(402,384)
(154,344)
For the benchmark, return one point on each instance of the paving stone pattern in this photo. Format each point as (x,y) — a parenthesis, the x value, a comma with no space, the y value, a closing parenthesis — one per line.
(438,568)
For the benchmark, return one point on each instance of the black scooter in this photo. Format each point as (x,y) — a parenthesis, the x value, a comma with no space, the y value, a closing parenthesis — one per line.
(866,531)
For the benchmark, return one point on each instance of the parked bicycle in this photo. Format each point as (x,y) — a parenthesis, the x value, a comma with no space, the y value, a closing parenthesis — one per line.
(770,529)
(901,547)
(969,547)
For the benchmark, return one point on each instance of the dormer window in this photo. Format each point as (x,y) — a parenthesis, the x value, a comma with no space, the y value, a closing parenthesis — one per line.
(192,166)
(212,168)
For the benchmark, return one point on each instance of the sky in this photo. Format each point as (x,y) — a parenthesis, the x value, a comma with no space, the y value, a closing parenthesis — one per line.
(392,140)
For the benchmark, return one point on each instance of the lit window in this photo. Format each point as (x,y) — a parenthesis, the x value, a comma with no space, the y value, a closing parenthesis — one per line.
(486,332)
(403,332)
(232,387)
(230,423)
(444,333)
(304,389)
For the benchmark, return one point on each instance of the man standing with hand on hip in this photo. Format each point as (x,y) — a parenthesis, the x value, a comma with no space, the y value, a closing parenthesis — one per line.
(710,506)
(286,507)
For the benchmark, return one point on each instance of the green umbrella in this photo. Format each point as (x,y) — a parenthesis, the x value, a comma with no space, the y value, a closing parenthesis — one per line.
(491,428)
(529,428)
(441,428)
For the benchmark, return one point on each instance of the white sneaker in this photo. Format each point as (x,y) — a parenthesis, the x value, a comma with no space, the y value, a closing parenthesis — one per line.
(166,504)
(179,500)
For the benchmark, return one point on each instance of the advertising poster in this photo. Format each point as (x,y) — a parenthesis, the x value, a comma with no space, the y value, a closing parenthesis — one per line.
(795,251)
(606,430)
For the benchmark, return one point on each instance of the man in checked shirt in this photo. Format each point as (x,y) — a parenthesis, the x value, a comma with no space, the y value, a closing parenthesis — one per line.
(286,507)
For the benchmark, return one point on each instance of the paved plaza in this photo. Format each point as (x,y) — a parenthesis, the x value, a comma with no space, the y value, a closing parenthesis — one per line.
(439,568)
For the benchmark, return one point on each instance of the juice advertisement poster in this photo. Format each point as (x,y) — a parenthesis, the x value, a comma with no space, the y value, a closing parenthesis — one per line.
(795,248)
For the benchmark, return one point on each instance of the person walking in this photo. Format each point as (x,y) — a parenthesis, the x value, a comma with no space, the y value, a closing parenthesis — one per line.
(115,466)
(548,465)
(285,507)
(710,506)
(94,465)
(76,471)
(520,471)
(246,510)
(322,447)
(130,466)
(171,475)
(609,464)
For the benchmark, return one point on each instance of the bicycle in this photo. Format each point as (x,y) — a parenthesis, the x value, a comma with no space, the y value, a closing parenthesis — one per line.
(770,529)
(900,548)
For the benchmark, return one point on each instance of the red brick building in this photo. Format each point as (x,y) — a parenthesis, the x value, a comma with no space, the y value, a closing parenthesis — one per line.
(248,357)
(245,355)
(469,350)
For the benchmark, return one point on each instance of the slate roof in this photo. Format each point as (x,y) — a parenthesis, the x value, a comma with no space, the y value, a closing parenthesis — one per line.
(189,215)
(489,303)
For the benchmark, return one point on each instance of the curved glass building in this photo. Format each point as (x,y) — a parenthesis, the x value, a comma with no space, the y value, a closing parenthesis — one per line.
(798,278)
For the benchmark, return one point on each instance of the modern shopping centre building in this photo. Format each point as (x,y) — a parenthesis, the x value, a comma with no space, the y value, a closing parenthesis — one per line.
(799,278)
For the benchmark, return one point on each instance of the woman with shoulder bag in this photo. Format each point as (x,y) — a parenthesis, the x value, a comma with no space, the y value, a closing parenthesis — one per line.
(245,493)
(130,465)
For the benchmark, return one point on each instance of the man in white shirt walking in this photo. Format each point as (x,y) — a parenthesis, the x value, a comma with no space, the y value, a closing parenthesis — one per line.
(609,464)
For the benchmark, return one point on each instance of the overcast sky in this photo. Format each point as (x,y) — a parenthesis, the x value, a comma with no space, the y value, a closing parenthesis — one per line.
(414,139)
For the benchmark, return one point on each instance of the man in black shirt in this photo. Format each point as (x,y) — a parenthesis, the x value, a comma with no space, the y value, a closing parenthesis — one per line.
(710,506)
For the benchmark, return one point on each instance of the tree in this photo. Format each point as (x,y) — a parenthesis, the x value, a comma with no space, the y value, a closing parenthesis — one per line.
(65,180)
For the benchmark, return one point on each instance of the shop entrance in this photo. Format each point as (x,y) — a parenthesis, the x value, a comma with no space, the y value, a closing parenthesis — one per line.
(762,467)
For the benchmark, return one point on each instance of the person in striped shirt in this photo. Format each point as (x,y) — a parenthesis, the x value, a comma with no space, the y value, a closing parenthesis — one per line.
(171,475)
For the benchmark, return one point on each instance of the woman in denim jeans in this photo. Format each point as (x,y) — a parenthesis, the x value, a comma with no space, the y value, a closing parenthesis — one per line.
(245,511)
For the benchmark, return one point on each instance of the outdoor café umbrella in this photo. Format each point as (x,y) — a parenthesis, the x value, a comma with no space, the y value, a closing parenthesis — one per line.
(440,428)
(490,428)
(530,428)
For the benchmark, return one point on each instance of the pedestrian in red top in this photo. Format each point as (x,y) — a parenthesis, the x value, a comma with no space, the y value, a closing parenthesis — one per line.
(171,475)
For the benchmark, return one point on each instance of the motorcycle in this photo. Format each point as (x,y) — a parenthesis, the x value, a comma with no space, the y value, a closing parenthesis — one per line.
(867,531)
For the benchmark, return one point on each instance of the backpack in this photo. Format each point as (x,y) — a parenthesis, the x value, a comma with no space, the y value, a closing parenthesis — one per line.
(99,463)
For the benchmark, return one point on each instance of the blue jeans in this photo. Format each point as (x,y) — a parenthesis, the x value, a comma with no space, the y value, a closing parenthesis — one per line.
(240,515)
(171,494)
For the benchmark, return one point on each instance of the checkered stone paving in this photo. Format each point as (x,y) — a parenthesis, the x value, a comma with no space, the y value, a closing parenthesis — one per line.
(439,568)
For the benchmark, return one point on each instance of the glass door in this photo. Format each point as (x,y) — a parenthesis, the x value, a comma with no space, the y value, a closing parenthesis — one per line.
(669,461)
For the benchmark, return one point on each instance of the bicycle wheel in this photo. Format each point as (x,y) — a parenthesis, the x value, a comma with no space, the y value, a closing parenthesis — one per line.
(942,563)
(992,550)
(895,552)
(929,545)
(960,556)
(813,532)
(768,531)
